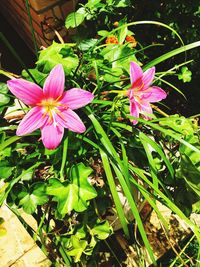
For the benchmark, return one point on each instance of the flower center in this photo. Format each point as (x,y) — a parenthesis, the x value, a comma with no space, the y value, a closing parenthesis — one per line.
(49,104)
(50,108)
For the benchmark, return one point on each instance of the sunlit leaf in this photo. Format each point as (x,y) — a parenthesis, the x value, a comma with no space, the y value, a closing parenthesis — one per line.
(74,194)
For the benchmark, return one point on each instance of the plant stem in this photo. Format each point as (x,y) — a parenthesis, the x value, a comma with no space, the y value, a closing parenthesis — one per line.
(32,29)
(64,158)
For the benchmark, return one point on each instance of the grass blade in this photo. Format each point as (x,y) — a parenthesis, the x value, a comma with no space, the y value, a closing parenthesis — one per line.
(171,54)
(114,193)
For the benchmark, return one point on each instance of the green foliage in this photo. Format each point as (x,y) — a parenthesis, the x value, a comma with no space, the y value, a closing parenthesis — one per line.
(72,190)
(3,231)
(185,75)
(29,197)
(57,54)
(75,194)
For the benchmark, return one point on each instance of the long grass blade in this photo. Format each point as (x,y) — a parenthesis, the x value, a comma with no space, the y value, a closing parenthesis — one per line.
(171,54)
(31,27)
(135,212)
(166,200)
(158,149)
(114,193)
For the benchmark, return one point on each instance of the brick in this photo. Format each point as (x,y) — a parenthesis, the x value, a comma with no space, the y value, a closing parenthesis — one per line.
(41,4)
(47,16)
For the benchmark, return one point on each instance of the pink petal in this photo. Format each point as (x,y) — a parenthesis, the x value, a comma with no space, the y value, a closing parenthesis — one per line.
(52,135)
(148,77)
(153,94)
(33,120)
(55,82)
(134,111)
(69,119)
(77,98)
(135,73)
(146,109)
(28,92)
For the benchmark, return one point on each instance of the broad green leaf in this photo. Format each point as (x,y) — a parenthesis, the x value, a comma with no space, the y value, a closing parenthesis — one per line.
(122,34)
(4,98)
(101,230)
(185,75)
(190,174)
(191,154)
(178,124)
(5,169)
(57,54)
(78,247)
(5,172)
(74,194)
(74,19)
(38,76)
(92,4)
(121,3)
(29,199)
(87,44)
(103,33)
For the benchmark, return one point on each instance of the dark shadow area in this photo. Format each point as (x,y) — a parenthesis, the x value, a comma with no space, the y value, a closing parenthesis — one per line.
(7,60)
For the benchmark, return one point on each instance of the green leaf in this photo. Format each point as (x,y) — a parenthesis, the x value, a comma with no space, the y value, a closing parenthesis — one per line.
(191,154)
(4,98)
(179,124)
(122,34)
(190,174)
(101,230)
(57,54)
(38,76)
(103,33)
(29,199)
(87,44)
(170,54)
(5,169)
(3,231)
(74,194)
(78,247)
(121,3)
(74,19)
(185,75)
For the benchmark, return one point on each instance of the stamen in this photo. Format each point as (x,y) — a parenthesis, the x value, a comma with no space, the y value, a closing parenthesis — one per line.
(50,108)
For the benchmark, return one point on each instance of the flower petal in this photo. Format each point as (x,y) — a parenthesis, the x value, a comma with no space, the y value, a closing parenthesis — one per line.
(28,92)
(153,94)
(145,110)
(52,135)
(77,98)
(148,77)
(135,73)
(32,121)
(134,111)
(69,119)
(55,82)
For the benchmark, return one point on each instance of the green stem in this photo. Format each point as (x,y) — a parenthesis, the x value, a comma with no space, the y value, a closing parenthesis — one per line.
(64,256)
(113,253)
(32,29)
(64,158)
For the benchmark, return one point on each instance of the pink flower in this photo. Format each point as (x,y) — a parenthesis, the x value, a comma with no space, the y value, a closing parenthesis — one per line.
(52,108)
(141,93)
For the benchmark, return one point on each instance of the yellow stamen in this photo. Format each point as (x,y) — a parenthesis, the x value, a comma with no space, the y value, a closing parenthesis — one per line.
(50,108)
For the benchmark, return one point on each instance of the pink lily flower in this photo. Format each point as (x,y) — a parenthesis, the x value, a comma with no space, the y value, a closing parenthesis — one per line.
(52,108)
(141,93)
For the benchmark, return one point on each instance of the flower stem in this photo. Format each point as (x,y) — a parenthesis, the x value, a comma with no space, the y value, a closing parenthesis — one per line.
(64,158)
